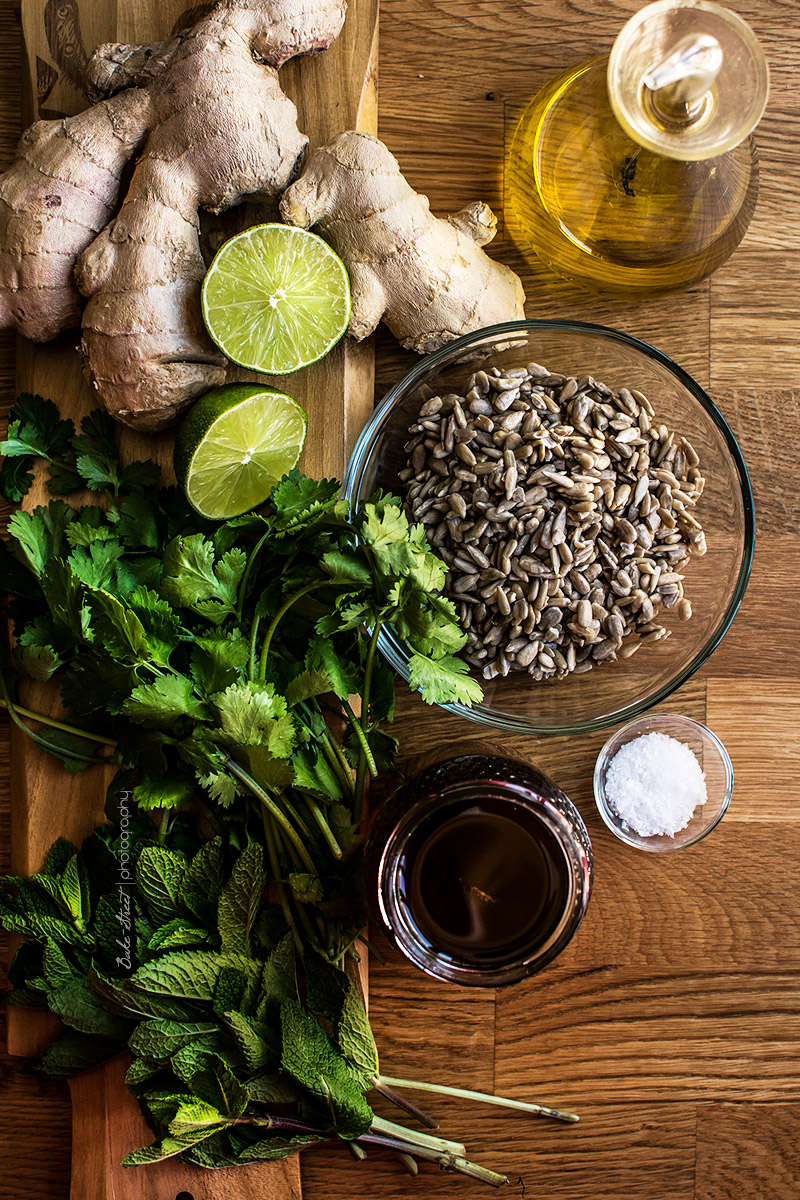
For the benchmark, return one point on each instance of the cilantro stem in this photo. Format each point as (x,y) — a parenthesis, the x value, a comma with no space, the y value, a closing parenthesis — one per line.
(539,1110)
(254,553)
(251,672)
(272,855)
(335,756)
(54,724)
(50,747)
(327,832)
(365,758)
(274,811)
(284,608)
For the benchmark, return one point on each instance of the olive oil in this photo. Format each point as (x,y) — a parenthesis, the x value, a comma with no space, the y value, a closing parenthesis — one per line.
(594,205)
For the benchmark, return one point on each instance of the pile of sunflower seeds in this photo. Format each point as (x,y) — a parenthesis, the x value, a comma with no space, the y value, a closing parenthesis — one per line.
(562,510)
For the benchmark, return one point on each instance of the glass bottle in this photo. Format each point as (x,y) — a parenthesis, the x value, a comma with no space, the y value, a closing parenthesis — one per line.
(636,172)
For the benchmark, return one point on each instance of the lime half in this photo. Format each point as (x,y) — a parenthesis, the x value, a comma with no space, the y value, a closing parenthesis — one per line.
(234,446)
(276,298)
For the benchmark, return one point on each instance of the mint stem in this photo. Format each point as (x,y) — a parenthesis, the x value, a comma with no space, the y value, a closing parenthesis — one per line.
(539,1110)
(442,1145)
(407,1105)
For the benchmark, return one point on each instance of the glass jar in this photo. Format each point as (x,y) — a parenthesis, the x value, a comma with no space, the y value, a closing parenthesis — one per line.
(480,869)
(636,172)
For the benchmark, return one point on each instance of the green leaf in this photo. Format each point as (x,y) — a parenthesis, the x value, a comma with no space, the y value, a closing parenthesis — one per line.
(56,969)
(185,974)
(221,787)
(87,530)
(164,791)
(97,565)
(76,1006)
(119,630)
(308,684)
(74,887)
(64,594)
(313,773)
(323,656)
(123,998)
(91,684)
(35,652)
(166,1148)
(218,661)
(159,704)
(298,501)
(194,1116)
(159,1038)
(348,566)
(311,1059)
(444,681)
(161,626)
(202,882)
(306,888)
(355,1038)
(241,899)
(429,631)
(39,536)
(73,1052)
(16,478)
(34,431)
(159,878)
(211,1079)
(278,979)
(137,524)
(140,1070)
(266,769)
(257,1053)
(189,571)
(59,854)
(178,933)
(252,714)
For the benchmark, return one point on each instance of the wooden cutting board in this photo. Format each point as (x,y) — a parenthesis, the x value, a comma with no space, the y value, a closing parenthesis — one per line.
(333,92)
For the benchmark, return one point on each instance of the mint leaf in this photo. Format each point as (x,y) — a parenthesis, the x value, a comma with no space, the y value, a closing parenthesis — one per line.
(309,1056)
(257,1053)
(202,882)
(184,974)
(159,704)
(160,1038)
(159,878)
(166,1148)
(177,933)
(77,1007)
(241,899)
(306,887)
(211,1079)
(74,1052)
(355,1037)
(443,681)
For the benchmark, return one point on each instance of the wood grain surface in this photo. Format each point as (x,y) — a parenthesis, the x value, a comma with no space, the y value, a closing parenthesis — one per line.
(672,1022)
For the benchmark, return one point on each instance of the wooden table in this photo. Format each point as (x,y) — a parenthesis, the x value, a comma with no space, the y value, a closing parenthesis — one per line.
(672,1023)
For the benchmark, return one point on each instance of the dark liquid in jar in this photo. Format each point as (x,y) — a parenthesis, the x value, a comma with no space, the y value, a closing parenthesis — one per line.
(484,883)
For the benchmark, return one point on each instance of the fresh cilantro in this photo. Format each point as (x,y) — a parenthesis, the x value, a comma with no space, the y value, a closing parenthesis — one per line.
(35,430)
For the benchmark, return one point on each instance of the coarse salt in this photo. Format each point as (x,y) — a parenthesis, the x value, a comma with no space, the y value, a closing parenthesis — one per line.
(654,783)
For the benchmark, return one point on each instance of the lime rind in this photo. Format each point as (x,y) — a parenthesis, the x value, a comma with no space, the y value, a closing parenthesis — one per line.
(235,445)
(276,298)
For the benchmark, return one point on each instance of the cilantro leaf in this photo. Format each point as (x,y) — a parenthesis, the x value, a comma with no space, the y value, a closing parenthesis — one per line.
(159,704)
(160,623)
(253,714)
(96,564)
(34,431)
(39,536)
(298,501)
(120,631)
(445,680)
(164,791)
(218,661)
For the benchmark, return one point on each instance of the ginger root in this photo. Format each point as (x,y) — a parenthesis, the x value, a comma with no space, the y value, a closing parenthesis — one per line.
(427,278)
(207,117)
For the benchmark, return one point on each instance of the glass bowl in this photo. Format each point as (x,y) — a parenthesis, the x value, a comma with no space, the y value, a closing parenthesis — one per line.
(710,753)
(715,582)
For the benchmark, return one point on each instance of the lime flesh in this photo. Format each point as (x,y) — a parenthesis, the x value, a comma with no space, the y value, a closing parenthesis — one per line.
(276,298)
(235,444)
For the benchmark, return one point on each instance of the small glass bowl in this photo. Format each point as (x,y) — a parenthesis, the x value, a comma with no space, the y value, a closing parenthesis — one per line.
(710,753)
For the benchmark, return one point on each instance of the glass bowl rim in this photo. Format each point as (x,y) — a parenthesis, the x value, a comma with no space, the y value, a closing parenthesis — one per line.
(634,840)
(390,645)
